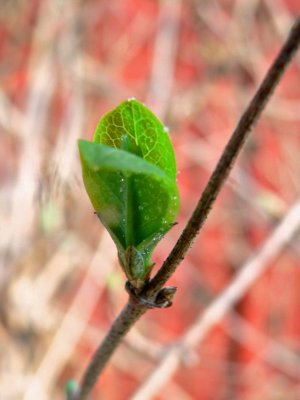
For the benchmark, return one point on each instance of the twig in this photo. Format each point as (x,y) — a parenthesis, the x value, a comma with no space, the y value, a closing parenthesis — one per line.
(223,303)
(129,315)
(229,155)
(132,312)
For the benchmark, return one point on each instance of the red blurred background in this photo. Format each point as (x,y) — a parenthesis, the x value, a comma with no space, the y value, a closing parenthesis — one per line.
(196,64)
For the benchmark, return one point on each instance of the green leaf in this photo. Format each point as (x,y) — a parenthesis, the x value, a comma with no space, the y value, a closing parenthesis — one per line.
(131,122)
(129,172)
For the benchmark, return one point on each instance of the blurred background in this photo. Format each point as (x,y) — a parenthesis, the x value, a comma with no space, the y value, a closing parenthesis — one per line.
(196,64)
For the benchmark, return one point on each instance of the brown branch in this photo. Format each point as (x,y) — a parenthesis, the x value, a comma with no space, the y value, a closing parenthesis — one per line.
(126,319)
(222,304)
(133,311)
(232,149)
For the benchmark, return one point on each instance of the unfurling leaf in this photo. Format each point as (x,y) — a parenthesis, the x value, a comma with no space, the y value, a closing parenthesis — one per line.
(129,172)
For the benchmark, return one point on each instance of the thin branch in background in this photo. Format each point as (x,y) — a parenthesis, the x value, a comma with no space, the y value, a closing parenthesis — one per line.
(164,57)
(19,225)
(241,28)
(12,118)
(236,43)
(132,311)
(74,322)
(272,352)
(214,313)
(70,57)
(279,15)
